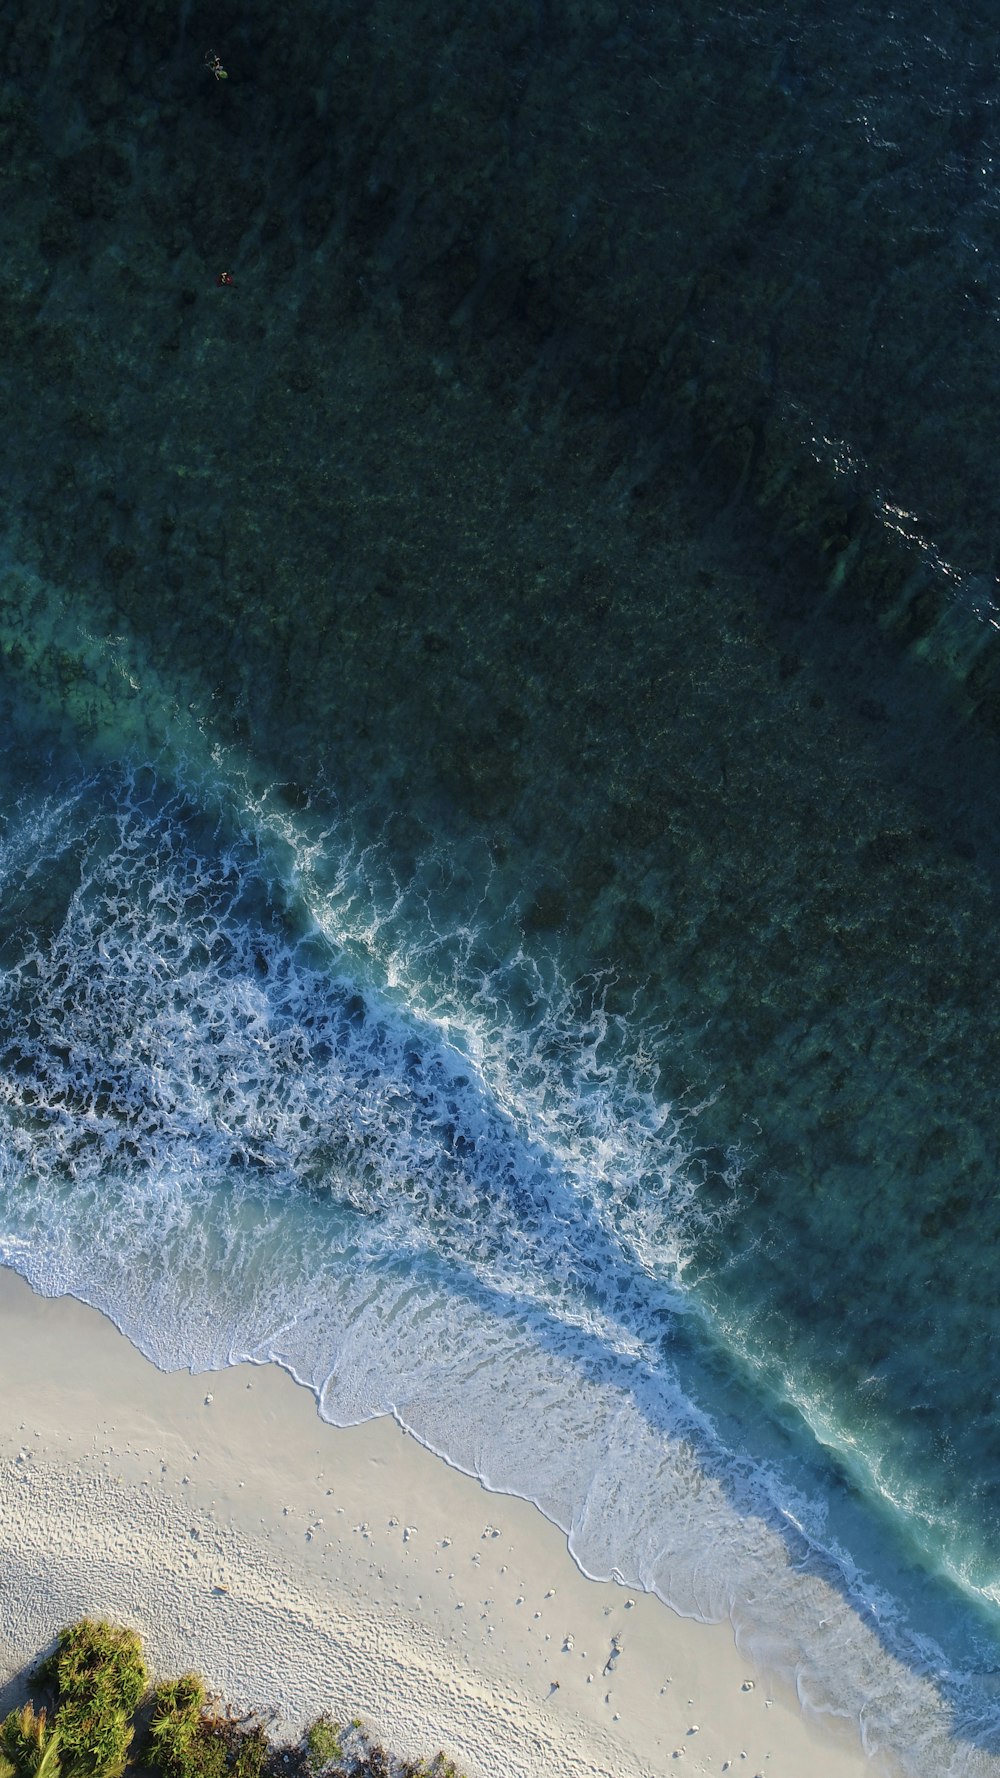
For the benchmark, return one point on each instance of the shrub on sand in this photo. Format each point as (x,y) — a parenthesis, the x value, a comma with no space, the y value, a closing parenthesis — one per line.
(100,1677)
(177,1749)
(28,1747)
(186,1740)
(324,1746)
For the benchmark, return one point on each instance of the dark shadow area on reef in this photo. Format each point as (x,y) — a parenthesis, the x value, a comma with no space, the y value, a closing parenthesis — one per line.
(652,213)
(477,188)
(479,185)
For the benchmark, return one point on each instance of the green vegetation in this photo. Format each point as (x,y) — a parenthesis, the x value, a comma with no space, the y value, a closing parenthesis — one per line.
(187,1739)
(28,1747)
(100,1691)
(324,1747)
(99,1677)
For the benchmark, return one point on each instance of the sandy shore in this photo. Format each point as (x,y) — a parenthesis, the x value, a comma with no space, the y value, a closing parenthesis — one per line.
(308,1567)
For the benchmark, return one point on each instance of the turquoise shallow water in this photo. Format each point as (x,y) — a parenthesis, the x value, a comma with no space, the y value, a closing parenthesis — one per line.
(499,811)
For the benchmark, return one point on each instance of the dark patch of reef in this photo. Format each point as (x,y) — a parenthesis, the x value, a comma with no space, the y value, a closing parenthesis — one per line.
(102,1719)
(755,243)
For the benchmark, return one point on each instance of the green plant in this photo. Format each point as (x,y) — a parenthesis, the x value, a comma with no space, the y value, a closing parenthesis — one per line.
(28,1747)
(179,1702)
(249,1747)
(100,1677)
(179,1748)
(324,1746)
(92,1657)
(187,1742)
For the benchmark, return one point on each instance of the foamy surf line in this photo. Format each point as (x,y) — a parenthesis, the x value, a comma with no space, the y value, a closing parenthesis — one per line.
(238,1150)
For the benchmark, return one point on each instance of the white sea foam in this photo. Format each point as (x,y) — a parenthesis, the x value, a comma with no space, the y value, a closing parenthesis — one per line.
(259,1100)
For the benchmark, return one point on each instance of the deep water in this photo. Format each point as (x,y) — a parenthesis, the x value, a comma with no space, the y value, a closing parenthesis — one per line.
(499,789)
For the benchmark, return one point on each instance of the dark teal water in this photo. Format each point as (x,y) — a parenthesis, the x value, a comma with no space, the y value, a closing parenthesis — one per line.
(499,785)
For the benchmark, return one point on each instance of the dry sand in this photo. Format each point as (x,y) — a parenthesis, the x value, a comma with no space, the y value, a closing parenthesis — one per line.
(308,1567)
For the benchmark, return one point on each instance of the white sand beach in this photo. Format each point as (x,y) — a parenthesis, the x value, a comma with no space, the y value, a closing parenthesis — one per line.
(310,1568)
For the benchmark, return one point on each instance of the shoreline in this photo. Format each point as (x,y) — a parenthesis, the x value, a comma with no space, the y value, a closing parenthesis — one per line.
(302,1567)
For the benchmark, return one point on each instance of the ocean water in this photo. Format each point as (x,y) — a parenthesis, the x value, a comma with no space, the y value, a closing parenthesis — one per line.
(498,784)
